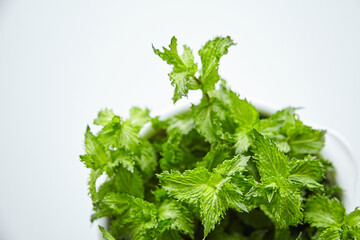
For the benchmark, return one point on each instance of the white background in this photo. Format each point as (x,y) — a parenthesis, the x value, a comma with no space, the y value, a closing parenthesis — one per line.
(62,61)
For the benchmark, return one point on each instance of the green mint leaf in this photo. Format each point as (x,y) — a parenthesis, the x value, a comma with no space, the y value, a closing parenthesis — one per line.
(306,140)
(124,182)
(233,197)
(182,123)
(179,151)
(212,209)
(230,167)
(188,186)
(330,234)
(119,203)
(352,233)
(170,149)
(136,216)
(86,159)
(308,172)
(208,117)
(271,128)
(283,146)
(182,218)
(180,81)
(138,117)
(146,158)
(210,55)
(119,134)
(128,137)
(242,140)
(283,203)
(217,154)
(284,207)
(287,116)
(104,117)
(270,161)
(106,234)
(171,56)
(243,112)
(329,216)
(302,139)
(94,175)
(95,150)
(322,212)
(184,68)
(353,218)
(121,157)
(211,191)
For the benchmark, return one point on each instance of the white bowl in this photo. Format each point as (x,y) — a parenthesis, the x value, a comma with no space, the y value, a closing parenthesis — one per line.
(336,150)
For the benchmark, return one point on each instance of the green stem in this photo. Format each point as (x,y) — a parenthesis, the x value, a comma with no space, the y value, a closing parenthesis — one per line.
(199,83)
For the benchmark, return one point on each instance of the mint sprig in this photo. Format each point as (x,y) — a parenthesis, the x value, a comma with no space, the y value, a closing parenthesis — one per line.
(183,76)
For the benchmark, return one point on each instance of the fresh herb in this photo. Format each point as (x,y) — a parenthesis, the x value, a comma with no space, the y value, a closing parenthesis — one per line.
(221,170)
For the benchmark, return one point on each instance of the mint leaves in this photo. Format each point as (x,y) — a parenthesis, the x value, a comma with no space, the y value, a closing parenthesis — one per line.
(210,55)
(184,68)
(328,215)
(213,191)
(220,170)
(280,188)
(183,76)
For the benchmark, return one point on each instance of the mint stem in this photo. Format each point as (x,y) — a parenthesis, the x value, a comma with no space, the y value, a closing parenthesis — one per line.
(199,83)
(197,80)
